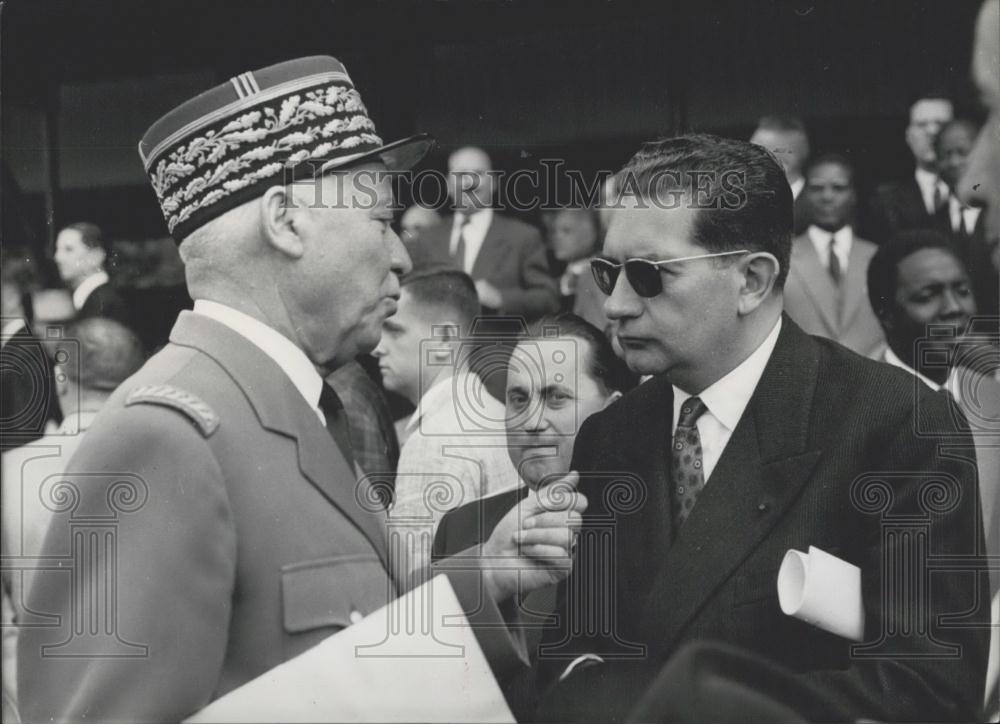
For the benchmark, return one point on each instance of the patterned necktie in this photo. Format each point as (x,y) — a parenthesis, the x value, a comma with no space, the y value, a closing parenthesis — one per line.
(336,422)
(459,256)
(686,463)
(834,266)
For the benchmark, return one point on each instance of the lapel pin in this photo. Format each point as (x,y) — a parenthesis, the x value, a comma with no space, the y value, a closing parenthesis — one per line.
(762,507)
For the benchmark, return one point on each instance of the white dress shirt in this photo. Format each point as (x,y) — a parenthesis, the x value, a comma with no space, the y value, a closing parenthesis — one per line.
(725,400)
(843,239)
(86,287)
(951,384)
(797,185)
(292,360)
(474,235)
(455,452)
(962,215)
(928,182)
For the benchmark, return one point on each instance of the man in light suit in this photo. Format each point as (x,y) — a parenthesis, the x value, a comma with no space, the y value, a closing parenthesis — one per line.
(505,257)
(238,532)
(825,291)
(752,439)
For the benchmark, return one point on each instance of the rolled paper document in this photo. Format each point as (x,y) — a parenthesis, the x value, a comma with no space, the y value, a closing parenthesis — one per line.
(824,591)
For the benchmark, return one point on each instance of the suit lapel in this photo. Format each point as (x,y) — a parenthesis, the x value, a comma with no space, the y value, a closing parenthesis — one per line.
(492,250)
(761,472)
(281,409)
(855,282)
(817,283)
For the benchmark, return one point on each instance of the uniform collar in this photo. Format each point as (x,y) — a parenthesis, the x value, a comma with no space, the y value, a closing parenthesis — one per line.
(292,360)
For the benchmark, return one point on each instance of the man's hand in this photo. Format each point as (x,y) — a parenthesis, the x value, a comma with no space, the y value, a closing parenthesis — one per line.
(532,546)
(489,295)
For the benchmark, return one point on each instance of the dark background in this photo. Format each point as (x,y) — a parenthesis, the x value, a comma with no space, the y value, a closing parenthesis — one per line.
(81,81)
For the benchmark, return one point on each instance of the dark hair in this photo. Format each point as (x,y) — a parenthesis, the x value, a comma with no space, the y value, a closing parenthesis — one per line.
(90,234)
(746,202)
(102,353)
(605,366)
(18,269)
(883,269)
(445,288)
(966,123)
(832,158)
(778,122)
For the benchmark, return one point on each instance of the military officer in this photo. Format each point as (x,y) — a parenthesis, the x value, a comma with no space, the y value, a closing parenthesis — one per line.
(213,525)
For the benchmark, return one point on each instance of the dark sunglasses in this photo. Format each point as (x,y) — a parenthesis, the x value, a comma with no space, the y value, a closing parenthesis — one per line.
(642,274)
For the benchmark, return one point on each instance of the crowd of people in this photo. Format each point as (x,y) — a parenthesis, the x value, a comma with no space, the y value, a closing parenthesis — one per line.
(803,368)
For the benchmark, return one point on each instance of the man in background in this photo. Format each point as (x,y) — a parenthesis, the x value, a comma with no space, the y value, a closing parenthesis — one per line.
(786,138)
(964,223)
(81,253)
(505,257)
(575,238)
(27,386)
(921,291)
(454,448)
(100,355)
(913,203)
(825,290)
(416,219)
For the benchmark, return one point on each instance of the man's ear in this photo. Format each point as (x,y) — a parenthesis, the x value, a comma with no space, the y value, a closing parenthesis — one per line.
(281,220)
(760,272)
(611,398)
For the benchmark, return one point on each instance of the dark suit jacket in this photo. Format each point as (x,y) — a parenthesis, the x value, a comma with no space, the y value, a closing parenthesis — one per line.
(976,255)
(897,207)
(792,475)
(105,301)
(512,258)
(28,397)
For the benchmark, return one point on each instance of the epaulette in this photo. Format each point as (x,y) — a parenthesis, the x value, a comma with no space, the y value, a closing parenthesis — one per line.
(169,396)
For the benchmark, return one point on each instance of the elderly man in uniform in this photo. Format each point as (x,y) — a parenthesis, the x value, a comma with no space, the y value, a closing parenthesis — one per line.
(242,536)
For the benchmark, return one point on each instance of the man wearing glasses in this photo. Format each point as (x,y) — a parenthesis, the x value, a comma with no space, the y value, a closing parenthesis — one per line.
(752,439)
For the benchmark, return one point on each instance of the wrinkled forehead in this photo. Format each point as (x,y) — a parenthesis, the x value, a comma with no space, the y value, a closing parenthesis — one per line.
(650,229)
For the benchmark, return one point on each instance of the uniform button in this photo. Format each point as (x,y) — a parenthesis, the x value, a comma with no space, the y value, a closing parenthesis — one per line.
(356,617)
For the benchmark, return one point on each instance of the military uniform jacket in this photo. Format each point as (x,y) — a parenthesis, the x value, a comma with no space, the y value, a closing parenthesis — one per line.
(235,537)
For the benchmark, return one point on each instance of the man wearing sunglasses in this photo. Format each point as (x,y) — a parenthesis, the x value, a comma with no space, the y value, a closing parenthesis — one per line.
(752,439)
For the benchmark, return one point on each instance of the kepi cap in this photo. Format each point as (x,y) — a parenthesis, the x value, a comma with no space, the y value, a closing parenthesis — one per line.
(295,119)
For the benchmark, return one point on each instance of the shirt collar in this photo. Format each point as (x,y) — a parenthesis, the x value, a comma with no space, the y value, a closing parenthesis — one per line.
(87,286)
(10,329)
(842,237)
(728,397)
(478,221)
(292,360)
(950,384)
(797,186)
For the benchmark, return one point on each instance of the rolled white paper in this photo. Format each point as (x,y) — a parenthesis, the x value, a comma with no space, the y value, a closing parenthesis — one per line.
(824,591)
